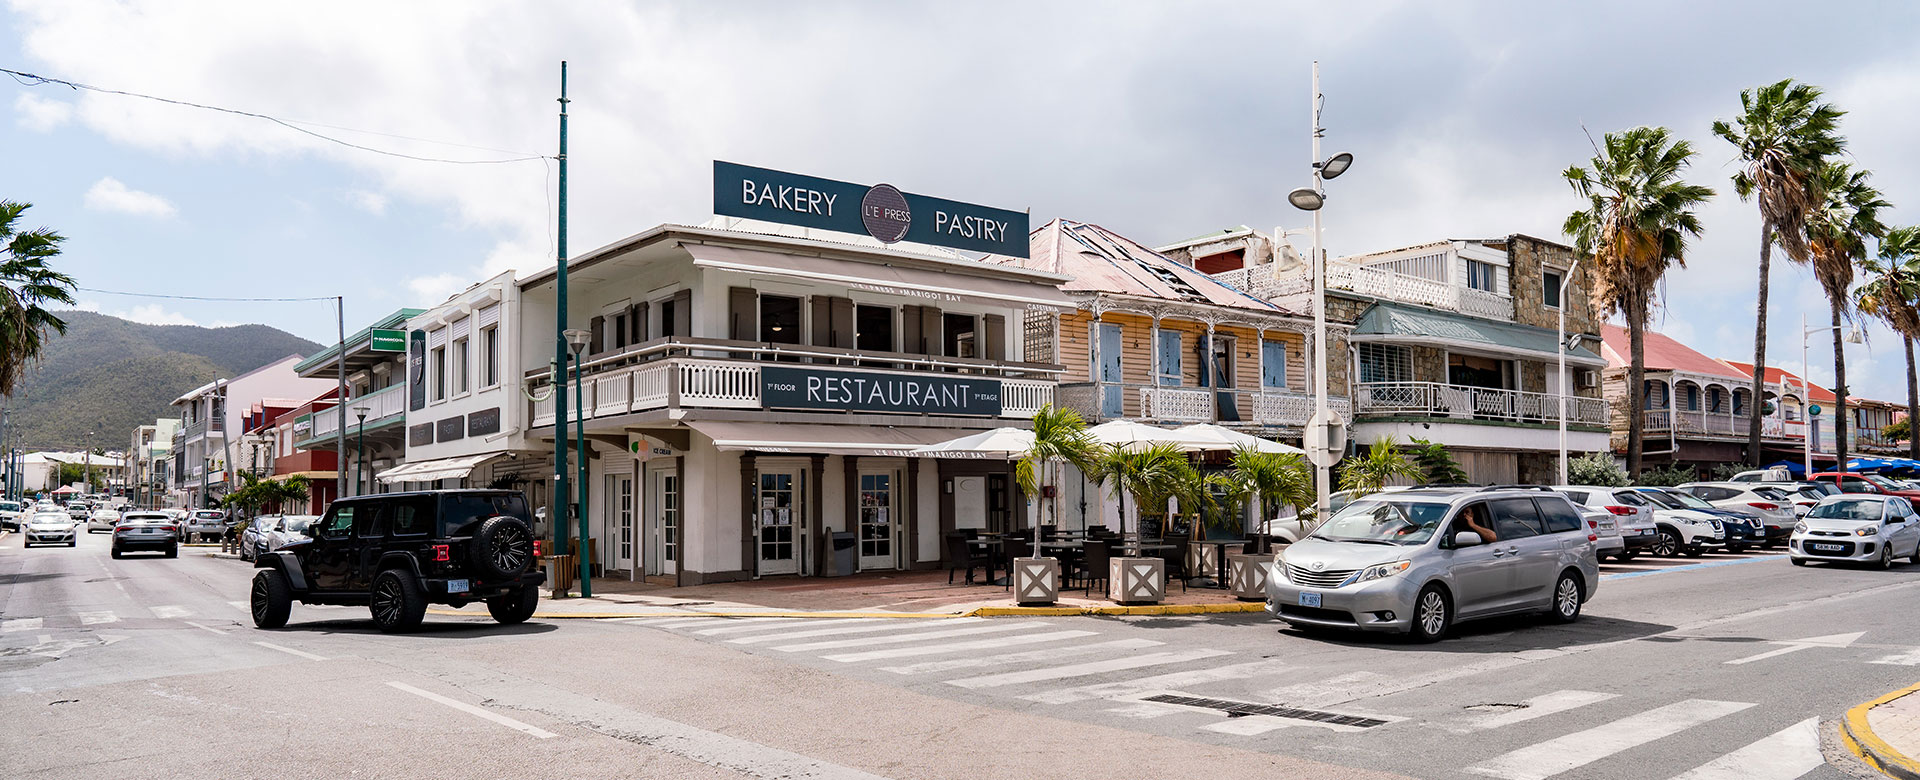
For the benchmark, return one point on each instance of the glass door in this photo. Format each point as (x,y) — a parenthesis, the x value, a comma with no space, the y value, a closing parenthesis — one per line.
(876,520)
(623,521)
(779,516)
(663,523)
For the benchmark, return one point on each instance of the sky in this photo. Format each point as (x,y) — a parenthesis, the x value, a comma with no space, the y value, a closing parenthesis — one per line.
(1158,120)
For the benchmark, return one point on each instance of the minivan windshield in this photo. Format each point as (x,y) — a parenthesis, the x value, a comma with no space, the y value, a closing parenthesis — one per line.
(1866,510)
(1388,522)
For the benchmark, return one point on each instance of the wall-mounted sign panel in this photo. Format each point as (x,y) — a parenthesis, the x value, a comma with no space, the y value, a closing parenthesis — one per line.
(880,211)
(417,370)
(387,340)
(862,391)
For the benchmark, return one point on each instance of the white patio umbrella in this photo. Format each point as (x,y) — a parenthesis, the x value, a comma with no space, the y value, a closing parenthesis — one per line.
(1231,439)
(1001,442)
(1128,434)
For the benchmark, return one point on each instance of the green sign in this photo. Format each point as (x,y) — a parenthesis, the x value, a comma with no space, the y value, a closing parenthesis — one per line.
(1814,409)
(388,340)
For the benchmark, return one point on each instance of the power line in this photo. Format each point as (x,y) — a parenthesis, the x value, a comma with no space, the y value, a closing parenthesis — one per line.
(34,80)
(201,297)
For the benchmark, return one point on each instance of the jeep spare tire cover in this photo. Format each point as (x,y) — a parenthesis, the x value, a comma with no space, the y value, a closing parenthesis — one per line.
(502,547)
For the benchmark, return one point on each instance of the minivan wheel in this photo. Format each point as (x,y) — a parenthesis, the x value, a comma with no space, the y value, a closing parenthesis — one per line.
(272,599)
(1432,615)
(1668,544)
(515,607)
(1567,597)
(397,602)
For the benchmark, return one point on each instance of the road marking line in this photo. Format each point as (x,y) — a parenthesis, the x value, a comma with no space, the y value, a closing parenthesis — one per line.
(242,606)
(203,628)
(1908,658)
(291,651)
(956,647)
(94,618)
(1784,755)
(1082,670)
(1769,654)
(1688,567)
(1145,710)
(866,626)
(911,636)
(1158,682)
(476,711)
(1791,645)
(20,624)
(1546,759)
(1537,707)
(1248,726)
(170,611)
(753,624)
(1030,656)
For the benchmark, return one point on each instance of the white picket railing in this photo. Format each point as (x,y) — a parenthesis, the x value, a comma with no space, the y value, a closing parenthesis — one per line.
(1022,398)
(719,384)
(1715,424)
(1260,281)
(1176,404)
(1433,399)
(1291,409)
(381,404)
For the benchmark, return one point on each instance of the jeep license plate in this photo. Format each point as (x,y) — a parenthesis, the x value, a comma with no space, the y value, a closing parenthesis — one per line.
(457,586)
(1309,599)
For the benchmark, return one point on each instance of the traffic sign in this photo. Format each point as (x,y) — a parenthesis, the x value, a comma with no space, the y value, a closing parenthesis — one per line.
(1326,439)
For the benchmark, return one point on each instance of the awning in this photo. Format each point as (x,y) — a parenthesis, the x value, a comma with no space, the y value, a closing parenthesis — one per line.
(934,284)
(824,439)
(430,470)
(1400,324)
(307,474)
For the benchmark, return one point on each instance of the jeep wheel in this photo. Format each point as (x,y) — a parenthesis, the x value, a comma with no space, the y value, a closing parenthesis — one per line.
(272,599)
(502,547)
(515,608)
(397,602)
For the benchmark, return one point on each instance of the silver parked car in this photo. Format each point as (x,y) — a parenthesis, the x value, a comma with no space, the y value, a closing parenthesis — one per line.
(1626,512)
(1860,528)
(285,528)
(49,528)
(1415,561)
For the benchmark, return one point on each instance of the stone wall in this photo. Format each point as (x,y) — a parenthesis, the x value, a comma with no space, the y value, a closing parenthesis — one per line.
(1429,364)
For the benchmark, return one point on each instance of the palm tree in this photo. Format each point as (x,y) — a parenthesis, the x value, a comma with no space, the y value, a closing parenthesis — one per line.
(1276,478)
(1837,233)
(1371,472)
(1146,473)
(1892,293)
(1638,217)
(1784,134)
(1059,436)
(27,284)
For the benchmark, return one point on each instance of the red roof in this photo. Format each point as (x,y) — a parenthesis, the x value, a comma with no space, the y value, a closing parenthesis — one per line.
(1663,354)
(1815,393)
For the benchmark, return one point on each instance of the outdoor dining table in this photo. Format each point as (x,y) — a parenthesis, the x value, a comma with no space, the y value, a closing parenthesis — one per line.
(1220,556)
(1150,547)
(995,546)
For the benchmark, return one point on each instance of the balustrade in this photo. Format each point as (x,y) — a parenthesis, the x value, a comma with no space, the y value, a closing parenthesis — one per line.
(1467,402)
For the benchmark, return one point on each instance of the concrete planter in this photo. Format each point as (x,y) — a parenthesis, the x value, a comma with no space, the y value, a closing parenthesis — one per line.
(1137,580)
(1203,560)
(1247,576)
(1036,581)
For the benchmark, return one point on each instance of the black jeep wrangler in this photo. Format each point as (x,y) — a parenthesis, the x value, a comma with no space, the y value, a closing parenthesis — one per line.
(396,552)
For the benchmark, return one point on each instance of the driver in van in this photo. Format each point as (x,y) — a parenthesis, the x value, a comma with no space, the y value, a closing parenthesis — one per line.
(1469,520)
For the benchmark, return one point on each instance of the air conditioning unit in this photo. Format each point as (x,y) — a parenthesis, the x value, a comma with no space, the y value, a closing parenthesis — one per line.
(1587,378)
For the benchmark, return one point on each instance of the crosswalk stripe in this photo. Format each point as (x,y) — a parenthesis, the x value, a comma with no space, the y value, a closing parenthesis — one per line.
(862,626)
(1085,669)
(94,618)
(990,643)
(1159,682)
(1029,656)
(1537,707)
(1145,711)
(1546,759)
(760,623)
(754,620)
(1908,658)
(903,638)
(170,611)
(1783,755)
(19,624)
(1249,726)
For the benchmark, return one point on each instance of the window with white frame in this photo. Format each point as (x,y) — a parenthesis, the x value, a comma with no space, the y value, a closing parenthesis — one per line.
(1550,287)
(1384,362)
(489,356)
(461,377)
(439,373)
(1483,276)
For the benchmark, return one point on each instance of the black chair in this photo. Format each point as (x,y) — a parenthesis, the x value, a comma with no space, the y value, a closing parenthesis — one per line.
(1049,533)
(1176,563)
(1094,564)
(961,555)
(1016,547)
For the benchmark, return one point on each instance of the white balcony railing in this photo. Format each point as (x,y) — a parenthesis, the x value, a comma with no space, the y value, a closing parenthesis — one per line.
(1432,399)
(1683,421)
(1266,407)
(381,404)
(1261,281)
(1176,404)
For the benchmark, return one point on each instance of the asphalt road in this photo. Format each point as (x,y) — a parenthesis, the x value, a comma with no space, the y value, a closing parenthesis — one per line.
(148,667)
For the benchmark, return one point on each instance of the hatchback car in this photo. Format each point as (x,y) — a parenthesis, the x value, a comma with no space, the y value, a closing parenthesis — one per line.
(1773,504)
(10,514)
(147,531)
(1631,515)
(1866,529)
(102,520)
(1415,561)
(49,528)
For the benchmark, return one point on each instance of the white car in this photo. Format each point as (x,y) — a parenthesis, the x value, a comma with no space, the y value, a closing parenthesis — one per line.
(1764,475)
(10,512)
(285,528)
(1629,518)
(1774,504)
(49,528)
(102,520)
(1689,532)
(1865,529)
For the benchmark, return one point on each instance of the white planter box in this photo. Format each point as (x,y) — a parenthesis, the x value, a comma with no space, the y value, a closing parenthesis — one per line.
(1137,580)
(1247,576)
(1036,580)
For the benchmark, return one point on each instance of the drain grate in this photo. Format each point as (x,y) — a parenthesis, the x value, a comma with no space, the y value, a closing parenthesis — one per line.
(1240,708)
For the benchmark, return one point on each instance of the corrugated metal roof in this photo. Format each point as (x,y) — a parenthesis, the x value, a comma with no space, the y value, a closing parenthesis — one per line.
(1408,322)
(1100,260)
(1664,354)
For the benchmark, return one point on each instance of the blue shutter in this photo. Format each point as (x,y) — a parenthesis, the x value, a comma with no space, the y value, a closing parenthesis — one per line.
(1273,364)
(1169,358)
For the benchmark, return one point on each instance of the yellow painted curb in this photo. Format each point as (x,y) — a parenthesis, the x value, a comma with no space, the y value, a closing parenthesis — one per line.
(743,614)
(1857,733)
(1144,609)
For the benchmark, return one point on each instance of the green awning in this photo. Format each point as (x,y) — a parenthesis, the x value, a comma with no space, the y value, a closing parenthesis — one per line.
(1404,324)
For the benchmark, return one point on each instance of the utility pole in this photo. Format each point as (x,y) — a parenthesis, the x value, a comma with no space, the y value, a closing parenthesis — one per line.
(340,400)
(562,493)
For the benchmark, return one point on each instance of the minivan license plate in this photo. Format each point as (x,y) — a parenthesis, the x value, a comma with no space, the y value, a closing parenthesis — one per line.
(1309,599)
(456,586)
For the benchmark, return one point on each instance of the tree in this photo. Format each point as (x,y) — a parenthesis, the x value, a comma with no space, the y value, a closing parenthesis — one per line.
(1898,430)
(1636,223)
(1784,134)
(27,285)
(1437,465)
(1892,294)
(257,493)
(1674,474)
(1145,473)
(1596,470)
(1059,435)
(1837,233)
(70,473)
(1382,463)
(1277,479)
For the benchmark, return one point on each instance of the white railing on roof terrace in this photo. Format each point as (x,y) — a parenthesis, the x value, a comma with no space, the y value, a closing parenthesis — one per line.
(1431,399)
(1379,281)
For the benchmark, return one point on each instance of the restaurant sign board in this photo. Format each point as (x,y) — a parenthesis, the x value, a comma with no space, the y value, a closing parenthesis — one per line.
(782,387)
(881,211)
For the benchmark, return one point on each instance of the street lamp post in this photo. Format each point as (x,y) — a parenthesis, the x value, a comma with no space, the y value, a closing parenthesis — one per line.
(1321,431)
(577,341)
(1839,447)
(360,450)
(1565,282)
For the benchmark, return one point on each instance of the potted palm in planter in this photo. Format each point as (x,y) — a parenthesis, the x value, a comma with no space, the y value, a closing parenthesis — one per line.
(1148,474)
(1059,436)
(1277,479)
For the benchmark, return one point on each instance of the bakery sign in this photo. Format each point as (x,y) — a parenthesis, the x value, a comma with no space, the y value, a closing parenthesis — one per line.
(782,387)
(881,210)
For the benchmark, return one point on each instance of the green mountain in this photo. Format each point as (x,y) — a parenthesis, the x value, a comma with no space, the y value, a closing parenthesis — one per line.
(109,375)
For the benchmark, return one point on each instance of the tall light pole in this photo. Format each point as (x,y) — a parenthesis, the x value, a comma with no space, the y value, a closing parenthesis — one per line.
(577,340)
(1323,432)
(1565,282)
(360,450)
(1839,447)
(562,497)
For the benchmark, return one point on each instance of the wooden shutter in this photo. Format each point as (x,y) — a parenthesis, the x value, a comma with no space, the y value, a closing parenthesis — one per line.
(822,321)
(841,328)
(597,343)
(995,337)
(1273,363)
(683,313)
(637,323)
(930,332)
(741,315)
(910,329)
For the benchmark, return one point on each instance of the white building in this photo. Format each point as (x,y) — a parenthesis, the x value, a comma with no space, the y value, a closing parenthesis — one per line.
(200,449)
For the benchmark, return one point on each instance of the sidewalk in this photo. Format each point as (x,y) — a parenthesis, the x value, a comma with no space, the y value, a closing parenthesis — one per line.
(1885,733)
(909,594)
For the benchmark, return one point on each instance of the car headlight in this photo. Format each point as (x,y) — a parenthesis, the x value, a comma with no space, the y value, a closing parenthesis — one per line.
(1382,571)
(1799,528)
(1867,531)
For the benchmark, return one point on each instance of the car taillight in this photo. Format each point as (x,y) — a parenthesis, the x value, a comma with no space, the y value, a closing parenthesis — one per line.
(536,548)
(1621,510)
(1763,505)
(1593,524)
(1592,538)
(441,553)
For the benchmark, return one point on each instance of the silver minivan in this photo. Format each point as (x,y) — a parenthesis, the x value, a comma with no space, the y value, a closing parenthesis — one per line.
(1416,561)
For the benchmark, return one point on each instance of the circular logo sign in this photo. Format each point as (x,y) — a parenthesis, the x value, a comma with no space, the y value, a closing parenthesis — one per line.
(884,212)
(1815,409)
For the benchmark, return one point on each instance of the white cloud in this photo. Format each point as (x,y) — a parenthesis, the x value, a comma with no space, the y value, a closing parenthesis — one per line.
(431,290)
(108,194)
(41,114)
(368,201)
(154,314)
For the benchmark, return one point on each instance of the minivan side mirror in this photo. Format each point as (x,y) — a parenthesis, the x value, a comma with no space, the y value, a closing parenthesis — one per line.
(1467,539)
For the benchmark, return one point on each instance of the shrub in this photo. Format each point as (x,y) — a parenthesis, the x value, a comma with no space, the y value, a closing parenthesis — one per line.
(1668,477)
(1596,469)
(1438,467)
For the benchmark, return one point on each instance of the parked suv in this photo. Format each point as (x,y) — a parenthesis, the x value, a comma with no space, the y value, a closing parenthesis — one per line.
(1416,560)
(1626,512)
(203,523)
(1740,527)
(1773,504)
(395,553)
